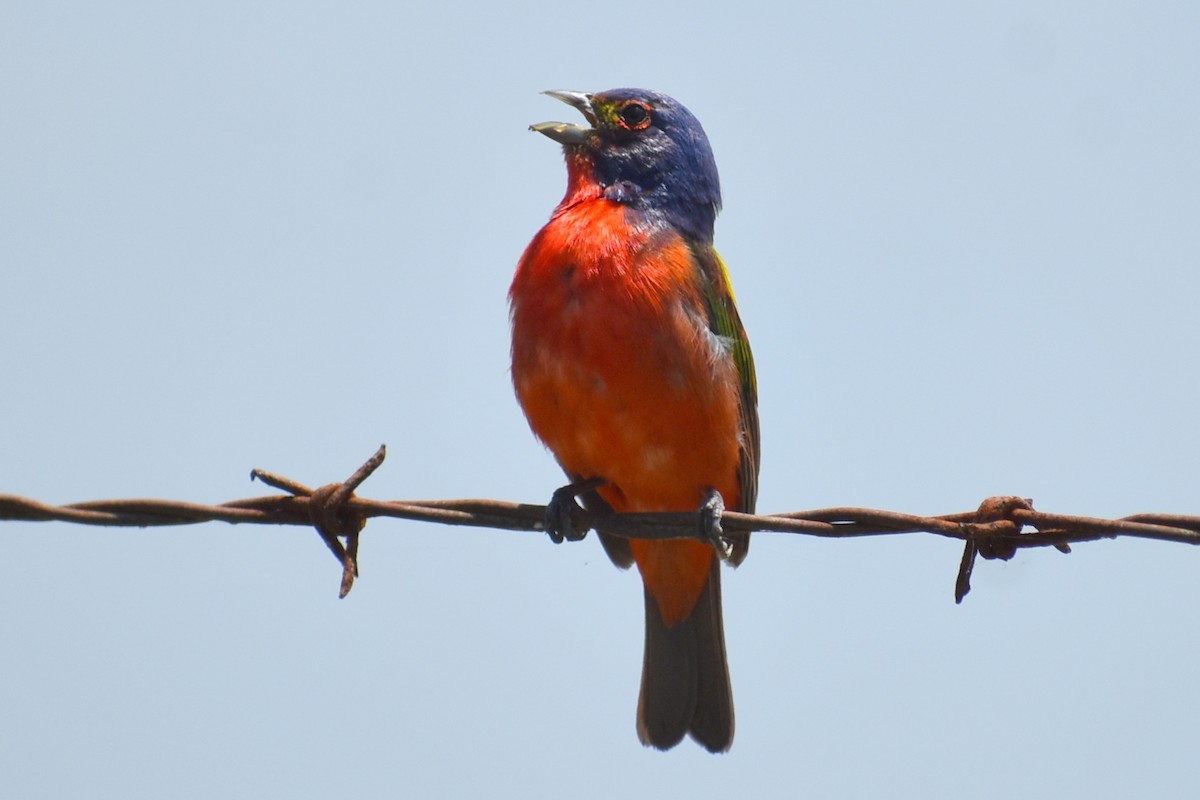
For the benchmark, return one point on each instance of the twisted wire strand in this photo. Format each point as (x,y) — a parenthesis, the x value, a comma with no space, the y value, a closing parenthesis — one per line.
(997,529)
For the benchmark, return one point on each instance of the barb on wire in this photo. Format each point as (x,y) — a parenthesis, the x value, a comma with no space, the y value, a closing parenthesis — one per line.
(328,513)
(995,530)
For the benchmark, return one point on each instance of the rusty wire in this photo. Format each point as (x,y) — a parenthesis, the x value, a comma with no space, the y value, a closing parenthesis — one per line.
(996,530)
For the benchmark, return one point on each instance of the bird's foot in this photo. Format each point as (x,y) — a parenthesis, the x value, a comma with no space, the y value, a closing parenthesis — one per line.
(564,514)
(710,512)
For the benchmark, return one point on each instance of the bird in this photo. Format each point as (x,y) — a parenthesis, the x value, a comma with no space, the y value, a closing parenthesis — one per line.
(631,364)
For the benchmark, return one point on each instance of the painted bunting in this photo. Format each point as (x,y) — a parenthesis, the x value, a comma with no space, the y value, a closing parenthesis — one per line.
(632,366)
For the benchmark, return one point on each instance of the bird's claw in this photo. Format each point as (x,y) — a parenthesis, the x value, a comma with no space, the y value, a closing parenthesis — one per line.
(564,515)
(710,512)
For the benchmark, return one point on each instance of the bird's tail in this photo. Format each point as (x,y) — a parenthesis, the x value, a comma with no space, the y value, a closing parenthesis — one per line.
(685,676)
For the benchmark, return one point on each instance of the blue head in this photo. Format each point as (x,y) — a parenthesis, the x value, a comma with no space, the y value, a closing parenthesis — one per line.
(648,152)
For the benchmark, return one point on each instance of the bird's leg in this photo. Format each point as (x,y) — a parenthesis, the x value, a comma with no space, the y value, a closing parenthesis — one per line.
(563,511)
(710,512)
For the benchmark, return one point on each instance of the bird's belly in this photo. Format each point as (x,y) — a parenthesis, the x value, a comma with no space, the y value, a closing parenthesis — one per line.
(644,401)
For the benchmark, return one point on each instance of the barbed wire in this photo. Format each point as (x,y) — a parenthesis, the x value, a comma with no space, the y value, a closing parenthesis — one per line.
(995,530)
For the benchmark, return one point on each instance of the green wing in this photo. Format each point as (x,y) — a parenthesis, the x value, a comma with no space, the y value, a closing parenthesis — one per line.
(723,320)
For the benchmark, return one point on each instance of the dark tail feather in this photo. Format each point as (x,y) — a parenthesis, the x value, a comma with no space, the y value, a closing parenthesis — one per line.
(685,678)
(712,726)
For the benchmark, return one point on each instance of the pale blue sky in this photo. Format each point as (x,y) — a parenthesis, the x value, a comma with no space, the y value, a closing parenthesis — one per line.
(965,243)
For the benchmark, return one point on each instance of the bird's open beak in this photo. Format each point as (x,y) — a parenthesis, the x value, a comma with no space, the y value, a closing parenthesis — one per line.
(564,132)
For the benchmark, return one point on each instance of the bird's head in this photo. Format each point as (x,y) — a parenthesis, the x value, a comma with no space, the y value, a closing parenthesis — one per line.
(645,150)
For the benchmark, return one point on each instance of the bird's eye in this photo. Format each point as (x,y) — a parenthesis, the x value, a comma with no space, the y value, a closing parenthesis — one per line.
(634,115)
